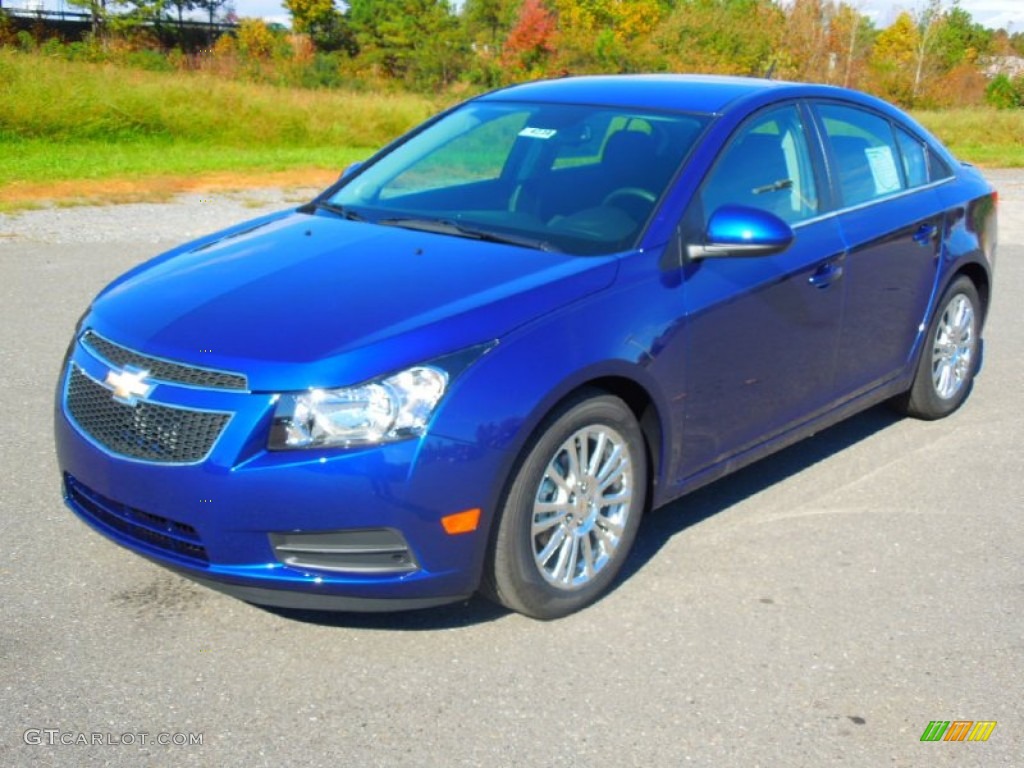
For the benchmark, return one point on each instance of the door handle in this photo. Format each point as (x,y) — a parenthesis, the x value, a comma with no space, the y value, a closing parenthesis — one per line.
(825,275)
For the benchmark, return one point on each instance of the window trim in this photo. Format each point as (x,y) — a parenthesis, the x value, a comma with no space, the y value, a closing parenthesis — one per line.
(832,167)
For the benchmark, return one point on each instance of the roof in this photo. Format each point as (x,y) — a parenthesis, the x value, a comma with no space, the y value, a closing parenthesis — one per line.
(685,93)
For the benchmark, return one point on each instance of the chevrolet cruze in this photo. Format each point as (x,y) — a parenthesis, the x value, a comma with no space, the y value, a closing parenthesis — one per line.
(475,361)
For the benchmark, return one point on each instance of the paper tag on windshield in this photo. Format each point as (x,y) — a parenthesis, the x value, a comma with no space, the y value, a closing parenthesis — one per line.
(538,133)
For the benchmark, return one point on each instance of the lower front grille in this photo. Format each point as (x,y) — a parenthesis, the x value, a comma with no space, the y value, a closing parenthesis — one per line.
(370,550)
(155,531)
(141,430)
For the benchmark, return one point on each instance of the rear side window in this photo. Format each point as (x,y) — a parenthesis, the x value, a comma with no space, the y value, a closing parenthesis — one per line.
(915,158)
(864,152)
(937,168)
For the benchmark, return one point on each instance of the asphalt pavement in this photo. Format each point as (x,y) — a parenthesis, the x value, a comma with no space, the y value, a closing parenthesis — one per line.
(819,608)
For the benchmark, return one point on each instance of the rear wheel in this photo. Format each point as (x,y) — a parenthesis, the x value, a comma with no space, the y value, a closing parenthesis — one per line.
(572,510)
(950,358)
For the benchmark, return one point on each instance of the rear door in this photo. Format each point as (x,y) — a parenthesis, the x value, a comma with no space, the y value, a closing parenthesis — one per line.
(891,219)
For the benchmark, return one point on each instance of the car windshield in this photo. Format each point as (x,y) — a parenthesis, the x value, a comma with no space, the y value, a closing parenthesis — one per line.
(571,178)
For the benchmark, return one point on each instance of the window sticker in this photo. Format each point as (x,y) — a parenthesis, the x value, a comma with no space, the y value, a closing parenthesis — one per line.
(883,169)
(537,133)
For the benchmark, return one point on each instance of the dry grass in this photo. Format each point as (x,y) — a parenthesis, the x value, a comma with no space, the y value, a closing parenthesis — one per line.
(28,195)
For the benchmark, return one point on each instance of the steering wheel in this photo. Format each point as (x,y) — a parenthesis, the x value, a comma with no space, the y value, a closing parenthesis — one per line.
(640,193)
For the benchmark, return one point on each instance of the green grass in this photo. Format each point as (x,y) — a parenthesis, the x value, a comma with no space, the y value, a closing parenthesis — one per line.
(65,121)
(39,161)
(64,101)
(982,135)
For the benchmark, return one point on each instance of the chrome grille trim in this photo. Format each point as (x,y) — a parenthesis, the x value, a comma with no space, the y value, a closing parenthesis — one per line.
(160,369)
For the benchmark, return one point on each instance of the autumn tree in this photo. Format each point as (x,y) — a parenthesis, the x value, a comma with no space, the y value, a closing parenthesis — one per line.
(607,35)
(321,20)
(530,42)
(307,15)
(851,37)
(1016,41)
(928,19)
(738,37)
(893,59)
(255,40)
(806,41)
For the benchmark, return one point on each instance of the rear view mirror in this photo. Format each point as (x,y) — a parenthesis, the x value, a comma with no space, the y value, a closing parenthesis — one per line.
(735,230)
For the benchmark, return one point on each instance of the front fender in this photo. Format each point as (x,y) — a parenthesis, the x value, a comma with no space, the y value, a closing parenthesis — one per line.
(501,400)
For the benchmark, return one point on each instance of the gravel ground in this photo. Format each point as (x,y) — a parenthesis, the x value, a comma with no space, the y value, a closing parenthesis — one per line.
(187,217)
(817,608)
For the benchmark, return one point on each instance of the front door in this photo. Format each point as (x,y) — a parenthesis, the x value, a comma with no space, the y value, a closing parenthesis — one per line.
(760,332)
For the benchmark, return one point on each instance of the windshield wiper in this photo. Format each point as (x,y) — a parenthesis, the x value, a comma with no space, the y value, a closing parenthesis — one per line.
(338,210)
(449,227)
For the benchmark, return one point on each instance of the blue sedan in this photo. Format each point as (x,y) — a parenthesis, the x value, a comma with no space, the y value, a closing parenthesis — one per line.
(475,361)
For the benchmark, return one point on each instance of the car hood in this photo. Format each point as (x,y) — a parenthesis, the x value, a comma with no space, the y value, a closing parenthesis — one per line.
(298,300)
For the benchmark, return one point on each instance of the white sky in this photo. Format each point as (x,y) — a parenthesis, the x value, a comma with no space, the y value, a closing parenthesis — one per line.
(1008,14)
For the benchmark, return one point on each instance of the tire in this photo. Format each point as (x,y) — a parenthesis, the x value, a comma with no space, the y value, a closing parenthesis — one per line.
(950,355)
(562,534)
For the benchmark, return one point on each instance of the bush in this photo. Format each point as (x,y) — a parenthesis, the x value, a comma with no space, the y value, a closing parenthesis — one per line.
(152,61)
(1004,93)
(25,41)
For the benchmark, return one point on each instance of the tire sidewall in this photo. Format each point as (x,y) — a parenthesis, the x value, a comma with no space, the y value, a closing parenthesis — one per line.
(519,583)
(925,401)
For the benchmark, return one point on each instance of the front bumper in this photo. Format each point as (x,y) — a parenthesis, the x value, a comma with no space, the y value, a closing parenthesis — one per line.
(218,520)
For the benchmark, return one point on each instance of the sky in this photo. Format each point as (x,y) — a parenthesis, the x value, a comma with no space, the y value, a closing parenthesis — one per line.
(1007,14)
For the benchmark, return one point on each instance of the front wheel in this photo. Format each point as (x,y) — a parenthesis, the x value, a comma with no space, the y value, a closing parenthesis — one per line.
(951,355)
(572,510)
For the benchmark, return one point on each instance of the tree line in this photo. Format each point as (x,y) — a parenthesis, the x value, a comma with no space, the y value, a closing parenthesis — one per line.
(934,55)
(931,56)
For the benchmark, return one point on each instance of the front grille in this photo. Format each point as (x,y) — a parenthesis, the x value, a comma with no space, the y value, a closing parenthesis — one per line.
(146,431)
(159,532)
(164,370)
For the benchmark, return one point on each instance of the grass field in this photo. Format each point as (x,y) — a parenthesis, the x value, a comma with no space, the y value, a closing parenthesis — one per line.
(78,128)
(985,136)
(72,131)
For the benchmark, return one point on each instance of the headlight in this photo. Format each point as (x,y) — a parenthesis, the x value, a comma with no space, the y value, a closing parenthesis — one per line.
(389,409)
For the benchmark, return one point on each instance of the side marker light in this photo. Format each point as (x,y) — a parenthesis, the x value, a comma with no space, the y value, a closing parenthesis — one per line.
(461,522)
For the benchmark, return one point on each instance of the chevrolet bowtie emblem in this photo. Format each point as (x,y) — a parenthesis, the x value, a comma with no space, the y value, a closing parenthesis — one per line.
(129,386)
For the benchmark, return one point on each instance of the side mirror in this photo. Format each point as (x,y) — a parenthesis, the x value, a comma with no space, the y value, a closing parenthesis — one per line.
(735,230)
(350,169)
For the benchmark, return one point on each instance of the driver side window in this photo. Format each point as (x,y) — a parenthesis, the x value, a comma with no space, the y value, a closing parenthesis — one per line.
(766,165)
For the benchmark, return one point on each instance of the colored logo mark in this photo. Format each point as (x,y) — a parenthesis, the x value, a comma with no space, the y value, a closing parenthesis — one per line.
(958,730)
